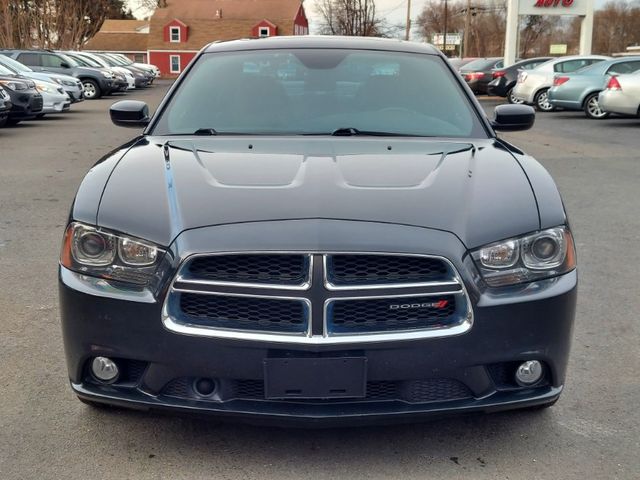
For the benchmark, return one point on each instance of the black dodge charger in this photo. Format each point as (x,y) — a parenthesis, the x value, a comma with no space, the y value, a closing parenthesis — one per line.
(319,230)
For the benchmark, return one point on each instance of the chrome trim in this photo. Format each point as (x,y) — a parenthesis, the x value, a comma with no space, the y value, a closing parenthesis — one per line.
(306,285)
(325,339)
(468,318)
(332,287)
(175,326)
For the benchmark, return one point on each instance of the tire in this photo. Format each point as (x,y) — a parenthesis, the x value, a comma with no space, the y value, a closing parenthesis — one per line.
(3,122)
(12,122)
(541,101)
(92,90)
(591,108)
(512,99)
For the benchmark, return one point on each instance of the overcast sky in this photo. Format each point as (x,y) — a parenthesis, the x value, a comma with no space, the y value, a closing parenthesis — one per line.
(393,11)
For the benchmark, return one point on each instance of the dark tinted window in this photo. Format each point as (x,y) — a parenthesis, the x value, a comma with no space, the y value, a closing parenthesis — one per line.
(573,65)
(625,67)
(31,59)
(52,61)
(319,91)
(481,64)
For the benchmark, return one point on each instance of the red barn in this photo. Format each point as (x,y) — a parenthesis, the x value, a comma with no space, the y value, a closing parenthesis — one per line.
(181,28)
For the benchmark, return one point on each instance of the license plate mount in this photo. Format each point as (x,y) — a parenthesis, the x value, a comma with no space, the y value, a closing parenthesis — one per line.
(315,378)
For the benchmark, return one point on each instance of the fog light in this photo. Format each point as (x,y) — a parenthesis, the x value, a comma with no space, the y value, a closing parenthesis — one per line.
(528,373)
(204,387)
(104,369)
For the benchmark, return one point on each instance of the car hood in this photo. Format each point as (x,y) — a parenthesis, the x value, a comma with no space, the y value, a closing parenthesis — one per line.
(163,186)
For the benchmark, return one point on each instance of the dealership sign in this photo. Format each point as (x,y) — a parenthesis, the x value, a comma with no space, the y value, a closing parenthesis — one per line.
(553,7)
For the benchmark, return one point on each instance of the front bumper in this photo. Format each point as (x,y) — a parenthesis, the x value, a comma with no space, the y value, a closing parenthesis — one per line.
(619,102)
(510,325)
(75,94)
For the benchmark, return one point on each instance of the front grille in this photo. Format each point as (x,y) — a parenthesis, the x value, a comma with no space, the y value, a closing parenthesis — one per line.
(360,270)
(384,314)
(411,391)
(280,269)
(36,103)
(245,313)
(350,294)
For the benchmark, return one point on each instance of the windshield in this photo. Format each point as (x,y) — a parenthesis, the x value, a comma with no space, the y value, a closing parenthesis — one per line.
(6,71)
(72,63)
(14,64)
(116,59)
(94,62)
(320,92)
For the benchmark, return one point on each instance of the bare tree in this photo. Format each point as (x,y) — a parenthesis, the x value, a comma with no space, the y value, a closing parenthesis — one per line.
(350,17)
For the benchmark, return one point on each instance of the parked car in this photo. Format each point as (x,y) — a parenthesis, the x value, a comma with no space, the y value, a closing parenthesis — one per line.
(351,270)
(71,85)
(26,102)
(504,79)
(5,106)
(125,61)
(622,95)
(140,79)
(580,90)
(143,76)
(458,63)
(54,98)
(95,81)
(477,73)
(533,86)
(123,80)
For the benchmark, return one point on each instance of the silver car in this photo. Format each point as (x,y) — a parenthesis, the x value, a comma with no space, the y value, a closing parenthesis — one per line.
(71,85)
(54,98)
(622,95)
(533,85)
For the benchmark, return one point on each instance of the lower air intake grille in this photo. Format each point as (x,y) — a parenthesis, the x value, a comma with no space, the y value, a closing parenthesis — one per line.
(436,389)
(244,313)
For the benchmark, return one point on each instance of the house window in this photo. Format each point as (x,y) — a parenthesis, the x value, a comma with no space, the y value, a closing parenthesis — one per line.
(139,58)
(263,32)
(175,34)
(175,63)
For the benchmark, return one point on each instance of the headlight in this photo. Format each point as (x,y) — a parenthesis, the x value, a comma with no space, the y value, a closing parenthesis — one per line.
(57,80)
(69,83)
(12,85)
(43,87)
(532,257)
(106,74)
(100,253)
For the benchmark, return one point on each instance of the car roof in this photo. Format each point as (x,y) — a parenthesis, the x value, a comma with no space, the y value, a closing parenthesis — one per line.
(323,41)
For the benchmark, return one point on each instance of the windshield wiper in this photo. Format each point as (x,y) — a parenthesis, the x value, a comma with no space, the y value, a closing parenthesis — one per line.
(205,131)
(354,132)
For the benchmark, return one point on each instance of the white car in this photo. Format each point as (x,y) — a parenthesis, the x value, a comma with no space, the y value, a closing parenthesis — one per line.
(533,85)
(126,61)
(54,98)
(96,61)
(622,95)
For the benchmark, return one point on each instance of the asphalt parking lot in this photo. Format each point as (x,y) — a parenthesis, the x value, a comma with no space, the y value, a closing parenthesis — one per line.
(592,433)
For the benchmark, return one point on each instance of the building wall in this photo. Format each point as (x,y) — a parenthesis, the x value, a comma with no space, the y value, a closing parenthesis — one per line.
(162,60)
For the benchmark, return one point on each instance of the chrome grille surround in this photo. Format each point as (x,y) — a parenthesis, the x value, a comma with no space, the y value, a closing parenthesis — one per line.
(318,292)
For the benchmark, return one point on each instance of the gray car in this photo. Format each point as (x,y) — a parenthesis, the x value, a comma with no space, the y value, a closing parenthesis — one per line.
(622,95)
(580,90)
(71,85)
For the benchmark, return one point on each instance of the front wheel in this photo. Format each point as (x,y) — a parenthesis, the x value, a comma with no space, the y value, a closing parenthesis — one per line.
(512,99)
(592,108)
(541,101)
(91,89)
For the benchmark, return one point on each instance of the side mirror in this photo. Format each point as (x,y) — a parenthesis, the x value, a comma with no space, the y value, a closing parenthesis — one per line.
(65,65)
(513,118)
(130,113)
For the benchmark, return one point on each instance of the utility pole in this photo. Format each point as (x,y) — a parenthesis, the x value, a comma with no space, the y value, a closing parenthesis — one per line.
(444,40)
(467,28)
(408,30)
